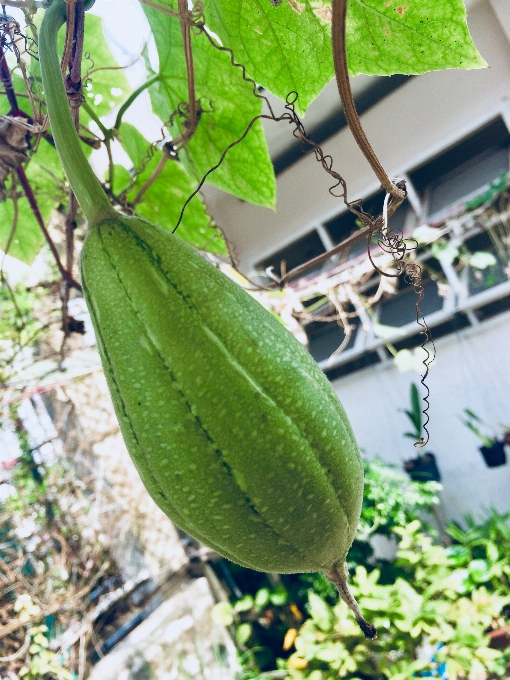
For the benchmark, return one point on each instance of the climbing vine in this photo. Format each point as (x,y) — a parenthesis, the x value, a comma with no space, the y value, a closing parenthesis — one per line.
(215,59)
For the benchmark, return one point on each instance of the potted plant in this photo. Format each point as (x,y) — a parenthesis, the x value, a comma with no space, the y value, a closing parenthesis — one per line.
(423,468)
(493,448)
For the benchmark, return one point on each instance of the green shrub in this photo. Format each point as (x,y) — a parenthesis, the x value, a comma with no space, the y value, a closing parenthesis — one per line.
(265,618)
(441,607)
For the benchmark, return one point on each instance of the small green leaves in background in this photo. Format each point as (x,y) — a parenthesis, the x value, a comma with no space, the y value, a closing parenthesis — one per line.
(392,500)
(163,201)
(279,596)
(223,613)
(495,188)
(244,604)
(476,425)
(482,260)
(409,37)
(437,606)
(284,48)
(262,598)
(414,414)
(40,661)
(228,106)
(434,604)
(445,251)
(243,633)
(320,612)
(265,596)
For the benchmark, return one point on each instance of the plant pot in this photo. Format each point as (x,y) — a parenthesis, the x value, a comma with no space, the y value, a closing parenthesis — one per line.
(494,455)
(500,638)
(423,468)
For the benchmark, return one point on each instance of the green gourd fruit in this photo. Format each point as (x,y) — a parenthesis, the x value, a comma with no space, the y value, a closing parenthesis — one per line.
(235,431)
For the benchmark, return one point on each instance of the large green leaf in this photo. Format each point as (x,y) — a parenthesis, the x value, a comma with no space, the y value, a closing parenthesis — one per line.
(410,37)
(42,172)
(107,87)
(284,48)
(228,107)
(288,47)
(163,201)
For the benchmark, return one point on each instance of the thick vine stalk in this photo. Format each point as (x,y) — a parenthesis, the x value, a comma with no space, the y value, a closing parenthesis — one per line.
(82,179)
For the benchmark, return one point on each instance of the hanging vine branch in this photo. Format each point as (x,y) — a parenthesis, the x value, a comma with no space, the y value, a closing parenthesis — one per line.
(339,15)
(186,21)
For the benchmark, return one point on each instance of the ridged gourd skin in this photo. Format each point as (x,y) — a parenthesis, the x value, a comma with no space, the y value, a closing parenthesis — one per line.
(235,431)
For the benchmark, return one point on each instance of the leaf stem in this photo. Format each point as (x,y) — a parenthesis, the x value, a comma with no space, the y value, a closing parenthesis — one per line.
(5,76)
(82,179)
(37,214)
(150,181)
(106,133)
(344,89)
(191,123)
(125,106)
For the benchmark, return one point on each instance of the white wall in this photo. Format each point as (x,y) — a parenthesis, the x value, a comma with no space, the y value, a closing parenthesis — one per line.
(471,370)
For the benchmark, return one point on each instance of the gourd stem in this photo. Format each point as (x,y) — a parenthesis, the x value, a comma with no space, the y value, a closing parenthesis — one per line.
(82,179)
(338,576)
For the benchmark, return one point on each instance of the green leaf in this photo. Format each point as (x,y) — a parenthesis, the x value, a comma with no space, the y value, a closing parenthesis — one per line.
(320,612)
(262,598)
(283,49)
(244,604)
(228,106)
(458,581)
(492,552)
(486,441)
(425,234)
(121,179)
(482,259)
(163,201)
(479,571)
(107,88)
(243,633)
(495,188)
(416,416)
(279,596)
(386,332)
(409,37)
(223,613)
(458,555)
(473,415)
(41,172)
